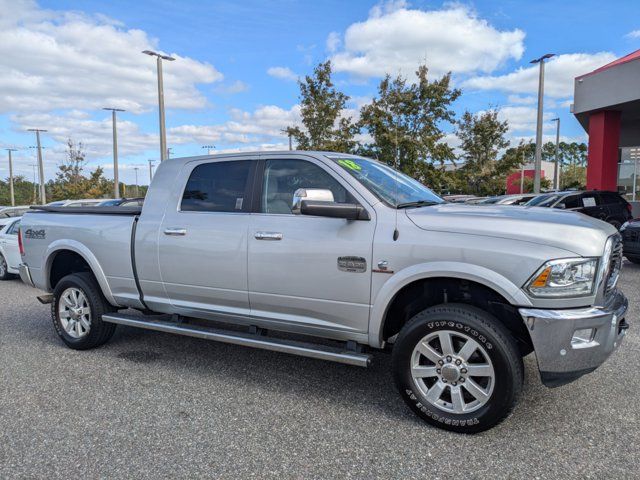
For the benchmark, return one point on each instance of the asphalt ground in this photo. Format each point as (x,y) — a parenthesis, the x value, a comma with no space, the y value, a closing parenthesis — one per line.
(154,405)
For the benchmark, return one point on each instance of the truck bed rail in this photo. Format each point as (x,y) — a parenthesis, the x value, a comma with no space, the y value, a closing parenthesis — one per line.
(131,211)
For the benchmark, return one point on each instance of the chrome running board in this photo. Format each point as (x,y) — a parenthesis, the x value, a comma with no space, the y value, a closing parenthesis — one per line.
(321,352)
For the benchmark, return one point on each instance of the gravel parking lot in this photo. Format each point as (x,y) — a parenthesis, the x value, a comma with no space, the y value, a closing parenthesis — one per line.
(153,405)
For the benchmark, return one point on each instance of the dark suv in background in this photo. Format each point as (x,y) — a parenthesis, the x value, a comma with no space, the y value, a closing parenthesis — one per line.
(608,206)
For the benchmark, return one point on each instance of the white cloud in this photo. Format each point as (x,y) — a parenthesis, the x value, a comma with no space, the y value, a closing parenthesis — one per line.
(96,135)
(60,60)
(396,39)
(633,34)
(284,73)
(263,126)
(333,41)
(236,87)
(521,118)
(522,100)
(560,73)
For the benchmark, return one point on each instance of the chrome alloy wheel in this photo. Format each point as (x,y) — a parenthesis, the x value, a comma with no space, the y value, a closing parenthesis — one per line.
(452,371)
(74,313)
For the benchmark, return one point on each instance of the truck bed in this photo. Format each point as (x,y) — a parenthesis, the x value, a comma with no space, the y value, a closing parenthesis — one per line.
(102,236)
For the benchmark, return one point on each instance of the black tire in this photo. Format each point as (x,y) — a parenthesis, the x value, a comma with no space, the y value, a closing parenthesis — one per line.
(99,332)
(4,272)
(633,259)
(497,344)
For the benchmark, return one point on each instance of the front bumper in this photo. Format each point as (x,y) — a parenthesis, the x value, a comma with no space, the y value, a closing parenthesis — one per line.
(25,274)
(562,360)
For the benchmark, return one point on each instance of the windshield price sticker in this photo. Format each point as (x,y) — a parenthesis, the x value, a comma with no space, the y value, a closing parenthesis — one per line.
(350,164)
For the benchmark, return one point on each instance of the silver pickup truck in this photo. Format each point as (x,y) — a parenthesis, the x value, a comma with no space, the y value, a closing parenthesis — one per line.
(333,256)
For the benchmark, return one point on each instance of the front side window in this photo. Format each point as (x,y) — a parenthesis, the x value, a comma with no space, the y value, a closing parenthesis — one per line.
(217,187)
(392,187)
(283,177)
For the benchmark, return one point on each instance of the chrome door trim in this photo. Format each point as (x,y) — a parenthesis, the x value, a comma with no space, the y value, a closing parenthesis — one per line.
(273,236)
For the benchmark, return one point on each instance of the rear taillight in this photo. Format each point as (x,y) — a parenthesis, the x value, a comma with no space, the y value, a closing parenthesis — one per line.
(630,207)
(20,245)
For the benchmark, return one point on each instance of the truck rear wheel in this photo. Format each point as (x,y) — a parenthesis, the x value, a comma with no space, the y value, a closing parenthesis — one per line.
(458,368)
(76,311)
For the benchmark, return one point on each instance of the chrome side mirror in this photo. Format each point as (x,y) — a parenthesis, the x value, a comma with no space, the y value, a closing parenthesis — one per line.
(314,194)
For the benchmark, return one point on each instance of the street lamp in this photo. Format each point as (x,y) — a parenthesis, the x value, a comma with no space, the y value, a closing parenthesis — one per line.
(150,170)
(13,199)
(136,170)
(163,133)
(210,149)
(556,176)
(43,195)
(116,181)
(538,159)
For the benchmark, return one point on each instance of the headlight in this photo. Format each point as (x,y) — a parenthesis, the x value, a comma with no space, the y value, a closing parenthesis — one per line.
(624,227)
(571,277)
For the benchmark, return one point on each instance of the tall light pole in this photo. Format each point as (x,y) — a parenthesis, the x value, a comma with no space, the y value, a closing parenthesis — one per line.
(210,149)
(556,176)
(538,160)
(290,142)
(137,191)
(35,194)
(43,195)
(163,133)
(150,171)
(116,180)
(11,193)
(169,152)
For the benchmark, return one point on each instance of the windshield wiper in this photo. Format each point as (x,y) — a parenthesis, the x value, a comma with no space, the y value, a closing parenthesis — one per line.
(417,203)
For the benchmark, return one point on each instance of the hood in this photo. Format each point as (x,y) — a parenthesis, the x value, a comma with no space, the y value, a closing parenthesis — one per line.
(571,231)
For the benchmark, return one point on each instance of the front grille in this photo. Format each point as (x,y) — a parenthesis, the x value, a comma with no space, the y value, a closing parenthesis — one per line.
(615,263)
(631,235)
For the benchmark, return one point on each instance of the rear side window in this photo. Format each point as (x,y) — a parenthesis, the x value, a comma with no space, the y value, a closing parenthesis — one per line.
(13,229)
(573,201)
(217,187)
(611,199)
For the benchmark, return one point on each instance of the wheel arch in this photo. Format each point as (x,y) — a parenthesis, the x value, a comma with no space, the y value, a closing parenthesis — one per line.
(421,286)
(64,257)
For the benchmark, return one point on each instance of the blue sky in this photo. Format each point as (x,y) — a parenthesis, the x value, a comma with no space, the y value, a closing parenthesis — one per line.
(233,84)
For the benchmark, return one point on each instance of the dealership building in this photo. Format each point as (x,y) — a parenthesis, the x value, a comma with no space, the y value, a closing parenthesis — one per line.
(607,105)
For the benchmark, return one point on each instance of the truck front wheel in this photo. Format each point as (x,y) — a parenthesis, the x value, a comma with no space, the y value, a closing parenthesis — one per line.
(458,368)
(76,311)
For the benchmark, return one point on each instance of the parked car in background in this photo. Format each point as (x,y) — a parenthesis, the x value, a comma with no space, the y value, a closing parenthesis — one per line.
(88,202)
(518,199)
(9,250)
(6,212)
(610,207)
(123,202)
(631,240)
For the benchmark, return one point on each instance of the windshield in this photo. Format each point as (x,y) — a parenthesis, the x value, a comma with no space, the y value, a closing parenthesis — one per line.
(387,184)
(542,200)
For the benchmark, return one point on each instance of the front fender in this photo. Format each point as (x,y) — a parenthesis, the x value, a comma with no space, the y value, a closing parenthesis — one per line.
(511,292)
(84,252)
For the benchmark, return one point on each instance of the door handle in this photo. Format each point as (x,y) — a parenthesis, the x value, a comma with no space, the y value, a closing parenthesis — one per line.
(175,231)
(268,236)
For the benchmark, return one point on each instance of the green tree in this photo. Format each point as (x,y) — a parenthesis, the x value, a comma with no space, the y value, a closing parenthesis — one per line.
(483,138)
(321,108)
(71,184)
(23,191)
(406,122)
